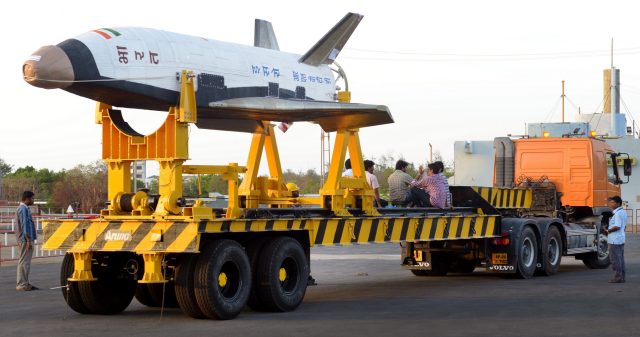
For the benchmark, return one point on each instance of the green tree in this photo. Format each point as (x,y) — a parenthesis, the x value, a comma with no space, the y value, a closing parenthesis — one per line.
(5,168)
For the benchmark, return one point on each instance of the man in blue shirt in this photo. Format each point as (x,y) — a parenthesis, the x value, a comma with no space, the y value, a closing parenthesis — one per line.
(615,238)
(26,237)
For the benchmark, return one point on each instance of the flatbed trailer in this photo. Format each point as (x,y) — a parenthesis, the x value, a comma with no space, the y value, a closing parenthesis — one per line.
(256,252)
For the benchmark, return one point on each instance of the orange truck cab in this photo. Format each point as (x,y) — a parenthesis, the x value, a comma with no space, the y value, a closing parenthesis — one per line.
(576,166)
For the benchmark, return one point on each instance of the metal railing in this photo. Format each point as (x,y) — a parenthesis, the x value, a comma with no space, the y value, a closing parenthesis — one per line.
(9,250)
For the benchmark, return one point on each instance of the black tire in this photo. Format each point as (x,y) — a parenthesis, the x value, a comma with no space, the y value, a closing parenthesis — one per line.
(112,292)
(283,273)
(440,263)
(150,294)
(527,253)
(143,295)
(599,259)
(223,279)
(254,249)
(462,266)
(70,290)
(551,252)
(184,286)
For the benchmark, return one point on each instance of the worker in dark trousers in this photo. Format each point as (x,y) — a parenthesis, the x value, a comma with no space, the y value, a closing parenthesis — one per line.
(26,237)
(616,238)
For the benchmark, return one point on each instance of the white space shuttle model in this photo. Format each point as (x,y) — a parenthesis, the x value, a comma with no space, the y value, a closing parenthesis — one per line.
(237,86)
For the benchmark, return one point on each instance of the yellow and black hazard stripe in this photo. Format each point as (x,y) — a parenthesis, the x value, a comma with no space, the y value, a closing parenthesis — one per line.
(137,236)
(506,197)
(346,231)
(183,236)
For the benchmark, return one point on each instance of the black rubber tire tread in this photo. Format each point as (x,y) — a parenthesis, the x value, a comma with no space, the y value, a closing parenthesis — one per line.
(523,271)
(184,286)
(270,291)
(592,261)
(440,265)
(155,290)
(208,294)
(547,268)
(70,290)
(143,295)
(108,295)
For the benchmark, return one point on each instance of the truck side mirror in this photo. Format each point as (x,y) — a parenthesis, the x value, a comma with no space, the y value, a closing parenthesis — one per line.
(626,167)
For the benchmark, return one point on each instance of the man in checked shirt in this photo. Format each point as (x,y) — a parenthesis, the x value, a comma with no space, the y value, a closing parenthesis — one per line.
(430,189)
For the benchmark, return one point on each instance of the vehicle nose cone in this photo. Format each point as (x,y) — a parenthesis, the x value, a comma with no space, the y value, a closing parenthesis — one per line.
(48,67)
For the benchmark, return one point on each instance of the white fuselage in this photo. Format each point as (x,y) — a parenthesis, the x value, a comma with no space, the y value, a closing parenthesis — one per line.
(153,57)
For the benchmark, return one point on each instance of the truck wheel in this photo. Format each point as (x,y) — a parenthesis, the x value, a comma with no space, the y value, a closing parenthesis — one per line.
(111,293)
(551,252)
(223,279)
(439,266)
(527,252)
(282,275)
(70,290)
(599,259)
(184,286)
(254,249)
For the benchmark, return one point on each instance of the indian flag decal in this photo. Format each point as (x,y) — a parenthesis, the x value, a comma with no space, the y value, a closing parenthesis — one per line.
(107,33)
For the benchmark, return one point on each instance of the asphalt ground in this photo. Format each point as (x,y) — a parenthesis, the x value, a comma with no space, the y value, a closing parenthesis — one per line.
(363,291)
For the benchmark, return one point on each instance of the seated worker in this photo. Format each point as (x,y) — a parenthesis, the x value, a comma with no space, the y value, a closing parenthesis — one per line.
(372,180)
(348,172)
(431,189)
(400,184)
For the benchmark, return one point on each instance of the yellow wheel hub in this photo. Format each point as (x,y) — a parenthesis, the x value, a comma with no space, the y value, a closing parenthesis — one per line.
(222,279)
(282,274)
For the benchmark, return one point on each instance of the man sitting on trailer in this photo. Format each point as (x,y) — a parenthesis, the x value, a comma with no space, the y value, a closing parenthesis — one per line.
(400,184)
(348,172)
(431,189)
(372,180)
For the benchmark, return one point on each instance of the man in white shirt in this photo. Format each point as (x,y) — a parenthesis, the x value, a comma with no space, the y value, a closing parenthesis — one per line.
(616,238)
(348,172)
(372,180)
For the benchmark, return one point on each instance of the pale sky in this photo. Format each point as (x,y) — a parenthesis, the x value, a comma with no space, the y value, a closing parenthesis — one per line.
(448,70)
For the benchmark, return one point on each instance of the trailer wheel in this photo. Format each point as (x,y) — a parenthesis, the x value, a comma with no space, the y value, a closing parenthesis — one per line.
(111,293)
(254,249)
(150,294)
(551,252)
(439,266)
(599,259)
(527,252)
(70,290)
(184,286)
(143,296)
(223,279)
(282,275)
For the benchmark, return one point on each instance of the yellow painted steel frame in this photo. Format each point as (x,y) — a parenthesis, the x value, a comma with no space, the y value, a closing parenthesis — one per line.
(168,145)
(340,192)
(82,267)
(254,190)
(230,174)
(153,268)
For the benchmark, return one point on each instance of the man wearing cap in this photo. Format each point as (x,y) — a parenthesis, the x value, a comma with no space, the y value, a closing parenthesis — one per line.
(616,238)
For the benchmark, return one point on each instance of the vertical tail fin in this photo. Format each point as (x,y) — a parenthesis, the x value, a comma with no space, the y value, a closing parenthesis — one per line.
(264,36)
(327,49)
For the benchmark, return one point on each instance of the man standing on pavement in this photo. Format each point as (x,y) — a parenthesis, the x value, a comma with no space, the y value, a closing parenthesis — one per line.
(26,237)
(616,238)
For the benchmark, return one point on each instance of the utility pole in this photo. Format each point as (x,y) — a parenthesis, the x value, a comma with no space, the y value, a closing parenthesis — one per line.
(562,101)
